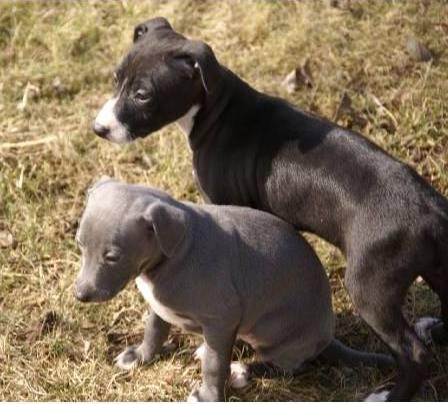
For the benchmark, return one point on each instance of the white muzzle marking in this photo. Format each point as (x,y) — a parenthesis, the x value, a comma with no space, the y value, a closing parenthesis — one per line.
(107,118)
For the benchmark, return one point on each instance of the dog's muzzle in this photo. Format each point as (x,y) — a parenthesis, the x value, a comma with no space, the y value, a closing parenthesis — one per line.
(108,126)
(100,130)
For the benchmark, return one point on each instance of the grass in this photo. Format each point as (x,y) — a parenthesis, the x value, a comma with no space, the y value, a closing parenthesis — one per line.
(61,55)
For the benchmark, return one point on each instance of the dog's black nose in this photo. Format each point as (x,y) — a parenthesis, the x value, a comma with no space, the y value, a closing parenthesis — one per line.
(82,293)
(100,130)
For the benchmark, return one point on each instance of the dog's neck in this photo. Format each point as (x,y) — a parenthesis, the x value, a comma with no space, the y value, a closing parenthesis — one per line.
(186,122)
(209,118)
(203,120)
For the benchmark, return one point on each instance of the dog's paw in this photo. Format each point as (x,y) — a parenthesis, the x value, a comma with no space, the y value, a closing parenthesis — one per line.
(239,375)
(423,328)
(203,395)
(199,353)
(193,397)
(378,397)
(129,359)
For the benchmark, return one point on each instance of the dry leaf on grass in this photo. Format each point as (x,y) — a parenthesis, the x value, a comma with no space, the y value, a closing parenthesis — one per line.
(299,77)
(7,239)
(418,51)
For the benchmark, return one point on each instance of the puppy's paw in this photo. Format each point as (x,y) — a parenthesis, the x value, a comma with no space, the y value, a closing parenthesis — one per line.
(202,393)
(199,353)
(378,397)
(193,397)
(423,328)
(239,375)
(129,359)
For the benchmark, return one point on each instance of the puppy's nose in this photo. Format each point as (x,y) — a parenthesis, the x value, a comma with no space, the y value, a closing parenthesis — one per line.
(100,130)
(82,293)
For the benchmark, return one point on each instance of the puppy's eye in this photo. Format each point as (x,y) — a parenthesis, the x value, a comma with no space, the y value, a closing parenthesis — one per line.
(111,257)
(142,96)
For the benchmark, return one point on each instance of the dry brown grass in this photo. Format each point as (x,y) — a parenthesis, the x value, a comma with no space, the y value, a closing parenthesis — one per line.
(53,348)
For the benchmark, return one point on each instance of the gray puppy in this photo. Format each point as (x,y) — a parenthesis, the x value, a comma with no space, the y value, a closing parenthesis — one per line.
(225,272)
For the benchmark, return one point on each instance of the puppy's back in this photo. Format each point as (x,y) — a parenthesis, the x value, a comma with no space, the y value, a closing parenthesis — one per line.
(277,266)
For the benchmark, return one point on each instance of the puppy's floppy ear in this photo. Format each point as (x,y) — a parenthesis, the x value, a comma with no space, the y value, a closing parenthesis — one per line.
(204,61)
(151,25)
(169,223)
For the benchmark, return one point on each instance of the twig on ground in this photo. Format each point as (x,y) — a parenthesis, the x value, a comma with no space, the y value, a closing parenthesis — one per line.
(28,143)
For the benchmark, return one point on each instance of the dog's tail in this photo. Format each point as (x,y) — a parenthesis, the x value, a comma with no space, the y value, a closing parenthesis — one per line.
(338,353)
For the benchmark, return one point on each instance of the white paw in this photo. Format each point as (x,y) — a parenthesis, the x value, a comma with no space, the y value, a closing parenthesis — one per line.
(423,327)
(199,353)
(378,397)
(193,397)
(124,364)
(239,375)
(128,359)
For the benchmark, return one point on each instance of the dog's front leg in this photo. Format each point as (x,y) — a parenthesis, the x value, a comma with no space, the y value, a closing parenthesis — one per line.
(156,333)
(215,365)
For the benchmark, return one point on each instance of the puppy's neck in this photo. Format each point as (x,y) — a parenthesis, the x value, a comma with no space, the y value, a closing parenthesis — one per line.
(149,268)
(186,122)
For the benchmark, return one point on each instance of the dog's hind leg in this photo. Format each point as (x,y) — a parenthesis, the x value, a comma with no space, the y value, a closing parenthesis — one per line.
(378,296)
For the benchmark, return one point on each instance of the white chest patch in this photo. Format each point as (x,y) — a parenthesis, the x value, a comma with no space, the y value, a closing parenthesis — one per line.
(186,122)
(145,287)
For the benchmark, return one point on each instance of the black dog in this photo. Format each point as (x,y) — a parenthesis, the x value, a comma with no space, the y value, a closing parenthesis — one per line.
(255,150)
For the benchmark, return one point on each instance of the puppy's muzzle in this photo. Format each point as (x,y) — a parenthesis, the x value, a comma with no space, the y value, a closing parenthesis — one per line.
(83,292)
(101,130)
(86,292)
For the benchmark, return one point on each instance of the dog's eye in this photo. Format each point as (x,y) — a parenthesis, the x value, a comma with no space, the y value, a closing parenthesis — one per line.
(111,256)
(142,96)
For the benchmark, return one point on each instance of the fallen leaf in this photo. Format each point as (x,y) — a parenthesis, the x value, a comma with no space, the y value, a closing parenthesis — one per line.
(6,239)
(86,349)
(290,82)
(49,322)
(300,76)
(344,106)
(418,51)
(29,92)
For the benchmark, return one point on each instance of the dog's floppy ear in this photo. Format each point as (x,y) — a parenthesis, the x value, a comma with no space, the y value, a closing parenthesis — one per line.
(151,25)
(204,61)
(169,223)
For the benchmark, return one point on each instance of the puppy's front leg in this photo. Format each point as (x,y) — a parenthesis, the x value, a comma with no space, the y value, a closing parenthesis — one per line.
(156,333)
(215,365)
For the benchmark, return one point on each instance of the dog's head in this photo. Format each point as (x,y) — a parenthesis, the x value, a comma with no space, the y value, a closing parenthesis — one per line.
(158,81)
(123,232)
